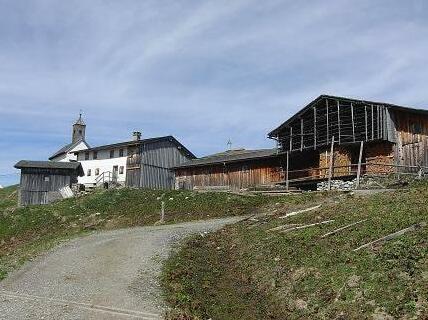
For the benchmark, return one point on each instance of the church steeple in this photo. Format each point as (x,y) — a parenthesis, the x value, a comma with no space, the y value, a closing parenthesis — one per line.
(79,128)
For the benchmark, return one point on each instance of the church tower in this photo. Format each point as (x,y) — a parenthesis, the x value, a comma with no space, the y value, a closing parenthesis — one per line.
(79,129)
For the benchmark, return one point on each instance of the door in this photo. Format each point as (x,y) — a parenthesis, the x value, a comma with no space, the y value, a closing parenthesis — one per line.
(115,173)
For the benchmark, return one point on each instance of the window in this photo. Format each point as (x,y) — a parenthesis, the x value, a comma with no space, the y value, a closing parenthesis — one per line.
(415,127)
(46,179)
(111,153)
(95,155)
(86,155)
(97,171)
(89,173)
(121,169)
(120,152)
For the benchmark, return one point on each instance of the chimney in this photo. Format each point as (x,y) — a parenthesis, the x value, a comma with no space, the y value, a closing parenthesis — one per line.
(136,135)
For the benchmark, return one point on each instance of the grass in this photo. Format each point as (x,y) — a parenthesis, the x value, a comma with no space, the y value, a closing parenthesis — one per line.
(246,272)
(24,232)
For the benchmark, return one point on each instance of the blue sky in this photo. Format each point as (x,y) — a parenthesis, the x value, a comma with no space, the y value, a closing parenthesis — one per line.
(203,71)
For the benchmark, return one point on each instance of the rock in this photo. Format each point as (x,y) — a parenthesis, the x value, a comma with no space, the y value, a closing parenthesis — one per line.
(301,304)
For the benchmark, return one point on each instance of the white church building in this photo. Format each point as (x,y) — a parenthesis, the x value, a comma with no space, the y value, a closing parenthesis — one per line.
(143,163)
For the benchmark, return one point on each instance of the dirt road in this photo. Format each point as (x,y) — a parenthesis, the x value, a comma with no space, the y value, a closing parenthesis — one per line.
(107,275)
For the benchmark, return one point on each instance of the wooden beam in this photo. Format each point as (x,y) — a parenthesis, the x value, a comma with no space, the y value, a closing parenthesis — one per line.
(315,127)
(378,121)
(330,169)
(372,123)
(342,228)
(301,134)
(291,138)
(328,135)
(393,235)
(287,180)
(360,157)
(353,121)
(365,118)
(338,117)
(300,211)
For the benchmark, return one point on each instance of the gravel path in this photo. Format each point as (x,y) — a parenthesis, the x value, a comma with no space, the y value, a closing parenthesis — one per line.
(106,275)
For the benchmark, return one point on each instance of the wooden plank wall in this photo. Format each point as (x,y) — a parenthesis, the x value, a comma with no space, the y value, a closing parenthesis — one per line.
(412,139)
(34,189)
(234,176)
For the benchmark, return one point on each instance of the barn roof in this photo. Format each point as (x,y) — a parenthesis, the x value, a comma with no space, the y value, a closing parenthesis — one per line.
(140,142)
(274,132)
(49,165)
(67,148)
(230,156)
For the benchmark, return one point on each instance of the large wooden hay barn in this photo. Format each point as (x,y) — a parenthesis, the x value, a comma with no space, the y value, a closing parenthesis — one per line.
(395,138)
(233,169)
(41,181)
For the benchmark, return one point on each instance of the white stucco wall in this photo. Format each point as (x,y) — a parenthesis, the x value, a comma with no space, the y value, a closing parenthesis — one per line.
(104,163)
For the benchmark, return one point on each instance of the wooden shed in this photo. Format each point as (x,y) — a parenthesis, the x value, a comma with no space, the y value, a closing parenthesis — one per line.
(394,138)
(232,169)
(41,181)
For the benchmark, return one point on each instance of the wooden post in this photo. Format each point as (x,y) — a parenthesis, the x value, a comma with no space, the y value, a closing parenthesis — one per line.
(326,106)
(291,138)
(330,171)
(365,118)
(287,183)
(162,219)
(301,134)
(378,121)
(372,124)
(360,157)
(338,118)
(353,121)
(315,127)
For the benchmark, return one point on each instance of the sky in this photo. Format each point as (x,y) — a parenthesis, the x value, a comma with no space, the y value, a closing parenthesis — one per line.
(203,71)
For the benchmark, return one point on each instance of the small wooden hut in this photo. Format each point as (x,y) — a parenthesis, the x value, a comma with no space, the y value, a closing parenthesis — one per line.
(41,181)
(232,169)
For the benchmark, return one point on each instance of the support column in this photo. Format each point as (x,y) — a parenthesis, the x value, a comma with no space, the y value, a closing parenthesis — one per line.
(353,121)
(360,157)
(338,118)
(330,170)
(315,127)
(301,134)
(287,182)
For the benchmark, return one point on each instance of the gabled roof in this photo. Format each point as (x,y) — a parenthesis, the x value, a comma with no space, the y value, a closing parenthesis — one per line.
(230,156)
(67,148)
(50,165)
(140,142)
(274,132)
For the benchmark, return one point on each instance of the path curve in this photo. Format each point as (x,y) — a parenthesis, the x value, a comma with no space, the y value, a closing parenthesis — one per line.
(106,275)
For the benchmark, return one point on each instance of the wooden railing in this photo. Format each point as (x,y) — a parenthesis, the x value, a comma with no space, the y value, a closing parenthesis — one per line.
(106,176)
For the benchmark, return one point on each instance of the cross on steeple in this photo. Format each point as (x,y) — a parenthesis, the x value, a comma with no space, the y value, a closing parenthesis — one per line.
(229,144)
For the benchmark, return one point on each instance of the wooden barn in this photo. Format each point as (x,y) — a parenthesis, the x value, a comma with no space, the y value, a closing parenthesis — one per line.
(41,181)
(390,138)
(233,169)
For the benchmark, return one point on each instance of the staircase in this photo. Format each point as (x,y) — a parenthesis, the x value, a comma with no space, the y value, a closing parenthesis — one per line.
(106,177)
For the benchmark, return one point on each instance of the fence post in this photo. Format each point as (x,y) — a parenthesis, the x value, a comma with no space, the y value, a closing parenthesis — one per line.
(359,165)
(330,171)
(162,219)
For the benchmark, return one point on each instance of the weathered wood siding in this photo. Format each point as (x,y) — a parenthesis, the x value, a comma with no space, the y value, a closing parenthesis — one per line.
(149,165)
(41,186)
(238,175)
(412,139)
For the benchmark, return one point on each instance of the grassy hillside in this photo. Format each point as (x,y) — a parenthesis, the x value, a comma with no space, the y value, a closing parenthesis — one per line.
(248,272)
(27,231)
